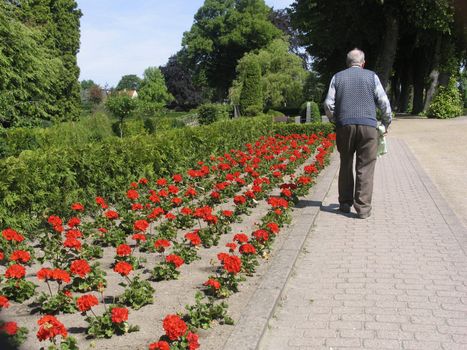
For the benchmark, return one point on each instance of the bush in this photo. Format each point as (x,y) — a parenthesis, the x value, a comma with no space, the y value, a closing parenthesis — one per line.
(314,111)
(211,112)
(447,103)
(130,127)
(251,96)
(41,182)
(305,128)
(93,128)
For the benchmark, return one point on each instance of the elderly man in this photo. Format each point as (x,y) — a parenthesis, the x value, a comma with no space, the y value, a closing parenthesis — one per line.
(353,96)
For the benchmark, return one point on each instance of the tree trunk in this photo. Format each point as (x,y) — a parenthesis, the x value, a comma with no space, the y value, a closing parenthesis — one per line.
(406,82)
(419,74)
(434,74)
(386,58)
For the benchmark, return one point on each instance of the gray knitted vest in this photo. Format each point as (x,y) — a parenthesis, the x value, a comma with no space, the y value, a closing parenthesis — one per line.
(355,97)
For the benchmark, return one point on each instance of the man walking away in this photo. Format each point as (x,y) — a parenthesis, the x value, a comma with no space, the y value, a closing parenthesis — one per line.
(353,96)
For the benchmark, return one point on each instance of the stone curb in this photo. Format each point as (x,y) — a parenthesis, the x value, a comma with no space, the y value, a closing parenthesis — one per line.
(250,328)
(455,225)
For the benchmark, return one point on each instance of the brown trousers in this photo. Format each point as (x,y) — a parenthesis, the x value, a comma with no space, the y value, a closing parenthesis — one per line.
(362,140)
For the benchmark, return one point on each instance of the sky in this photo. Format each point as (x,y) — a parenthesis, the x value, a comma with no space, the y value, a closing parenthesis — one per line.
(120,37)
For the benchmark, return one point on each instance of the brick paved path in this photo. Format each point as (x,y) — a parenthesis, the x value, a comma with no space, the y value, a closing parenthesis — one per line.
(397,280)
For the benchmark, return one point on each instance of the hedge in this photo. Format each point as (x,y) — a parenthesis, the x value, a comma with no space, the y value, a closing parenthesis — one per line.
(43,182)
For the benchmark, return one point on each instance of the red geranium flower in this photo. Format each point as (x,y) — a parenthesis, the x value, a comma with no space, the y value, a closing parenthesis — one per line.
(86,302)
(161,182)
(54,220)
(241,238)
(2,256)
(72,243)
(140,225)
(231,246)
(9,328)
(80,268)
(232,264)
(123,250)
(177,201)
(193,343)
(261,235)
(227,213)
(143,181)
(4,302)
(111,214)
(77,207)
(11,235)
(239,200)
(132,194)
(136,206)
(74,234)
(186,211)
(15,271)
(212,283)
(193,237)
(170,216)
(160,345)
(21,256)
(161,244)
(174,327)
(247,248)
(101,201)
(119,314)
(50,327)
(139,237)
(123,268)
(177,178)
(175,260)
(60,275)
(273,227)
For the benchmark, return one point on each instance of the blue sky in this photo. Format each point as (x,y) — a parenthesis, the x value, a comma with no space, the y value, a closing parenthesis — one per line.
(120,37)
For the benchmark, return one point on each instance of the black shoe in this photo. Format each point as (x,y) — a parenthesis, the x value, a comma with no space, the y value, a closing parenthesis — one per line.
(364,215)
(345,208)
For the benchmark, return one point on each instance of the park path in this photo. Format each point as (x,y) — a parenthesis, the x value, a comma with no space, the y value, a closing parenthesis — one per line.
(397,280)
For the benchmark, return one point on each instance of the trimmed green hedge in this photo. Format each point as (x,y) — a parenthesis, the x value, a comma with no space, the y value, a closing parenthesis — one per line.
(306,128)
(41,182)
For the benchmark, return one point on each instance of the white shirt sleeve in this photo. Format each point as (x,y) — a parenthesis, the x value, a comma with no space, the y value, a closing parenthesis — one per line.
(329,102)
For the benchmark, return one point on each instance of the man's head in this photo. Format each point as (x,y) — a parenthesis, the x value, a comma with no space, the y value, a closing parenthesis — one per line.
(355,57)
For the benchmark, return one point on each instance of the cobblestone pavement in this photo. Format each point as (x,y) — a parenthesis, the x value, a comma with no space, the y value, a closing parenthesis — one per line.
(397,280)
(439,145)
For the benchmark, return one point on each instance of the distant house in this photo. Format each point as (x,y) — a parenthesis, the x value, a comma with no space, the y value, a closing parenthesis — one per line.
(131,93)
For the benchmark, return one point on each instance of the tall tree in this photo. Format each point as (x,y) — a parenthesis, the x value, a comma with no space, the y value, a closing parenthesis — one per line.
(28,72)
(281,80)
(59,22)
(407,42)
(179,78)
(129,82)
(153,92)
(223,31)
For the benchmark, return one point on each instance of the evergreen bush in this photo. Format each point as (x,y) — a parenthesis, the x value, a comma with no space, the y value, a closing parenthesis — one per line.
(447,103)
(251,96)
(211,112)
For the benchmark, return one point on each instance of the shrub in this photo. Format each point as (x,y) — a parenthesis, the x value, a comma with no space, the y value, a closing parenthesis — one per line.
(92,128)
(314,111)
(131,127)
(447,103)
(251,96)
(39,183)
(121,106)
(211,112)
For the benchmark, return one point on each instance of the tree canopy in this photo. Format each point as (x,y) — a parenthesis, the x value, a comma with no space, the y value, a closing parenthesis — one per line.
(409,43)
(153,93)
(223,31)
(39,40)
(129,82)
(282,76)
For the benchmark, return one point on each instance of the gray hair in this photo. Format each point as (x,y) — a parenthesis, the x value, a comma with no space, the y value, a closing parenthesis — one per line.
(356,57)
